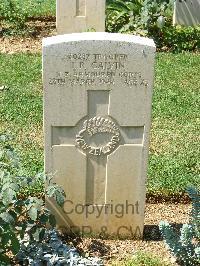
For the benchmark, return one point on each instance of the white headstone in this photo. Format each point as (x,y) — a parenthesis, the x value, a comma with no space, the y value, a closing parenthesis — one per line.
(187,12)
(80,15)
(97,116)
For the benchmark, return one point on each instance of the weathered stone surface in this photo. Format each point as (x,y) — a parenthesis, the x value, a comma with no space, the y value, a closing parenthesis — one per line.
(97,110)
(187,12)
(80,15)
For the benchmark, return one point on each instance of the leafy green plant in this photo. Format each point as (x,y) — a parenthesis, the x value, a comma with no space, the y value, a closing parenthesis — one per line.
(121,15)
(151,19)
(186,247)
(137,17)
(21,215)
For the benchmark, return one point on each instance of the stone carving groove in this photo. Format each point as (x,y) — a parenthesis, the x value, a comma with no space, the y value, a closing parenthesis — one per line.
(98,125)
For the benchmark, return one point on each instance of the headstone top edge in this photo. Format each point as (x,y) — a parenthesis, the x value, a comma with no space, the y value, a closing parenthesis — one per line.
(98,36)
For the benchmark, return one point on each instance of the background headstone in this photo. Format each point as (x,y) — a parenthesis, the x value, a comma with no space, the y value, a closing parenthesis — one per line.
(80,15)
(187,12)
(97,110)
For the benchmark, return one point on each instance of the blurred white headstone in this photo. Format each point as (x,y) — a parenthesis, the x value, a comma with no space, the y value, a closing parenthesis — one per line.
(187,12)
(80,15)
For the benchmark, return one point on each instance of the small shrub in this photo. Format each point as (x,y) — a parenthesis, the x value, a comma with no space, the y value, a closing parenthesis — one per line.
(137,17)
(177,38)
(186,247)
(15,13)
(21,215)
(151,19)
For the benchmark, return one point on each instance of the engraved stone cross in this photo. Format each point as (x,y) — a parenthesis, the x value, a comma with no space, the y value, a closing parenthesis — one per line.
(96,137)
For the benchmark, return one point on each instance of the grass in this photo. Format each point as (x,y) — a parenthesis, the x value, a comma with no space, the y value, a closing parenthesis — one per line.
(21,107)
(35,8)
(174,150)
(142,259)
(175,153)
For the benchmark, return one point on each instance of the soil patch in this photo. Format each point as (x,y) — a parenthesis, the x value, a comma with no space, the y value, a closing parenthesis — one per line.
(30,41)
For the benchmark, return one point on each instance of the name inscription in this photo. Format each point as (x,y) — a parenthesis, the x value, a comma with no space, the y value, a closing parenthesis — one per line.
(96,69)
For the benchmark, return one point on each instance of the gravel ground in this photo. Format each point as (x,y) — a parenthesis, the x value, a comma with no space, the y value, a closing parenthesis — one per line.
(111,250)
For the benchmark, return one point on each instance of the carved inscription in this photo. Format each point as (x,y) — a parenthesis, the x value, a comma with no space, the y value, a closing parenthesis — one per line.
(96,69)
(98,125)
